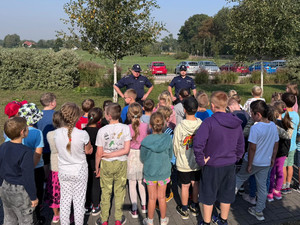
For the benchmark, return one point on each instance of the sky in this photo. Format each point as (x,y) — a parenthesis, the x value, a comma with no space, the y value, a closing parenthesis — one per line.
(40,19)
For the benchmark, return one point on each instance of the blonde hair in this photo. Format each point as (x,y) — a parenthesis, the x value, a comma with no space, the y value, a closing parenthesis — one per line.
(131,93)
(256,91)
(293,88)
(232,93)
(202,100)
(47,98)
(166,111)
(134,114)
(165,96)
(70,113)
(157,122)
(219,99)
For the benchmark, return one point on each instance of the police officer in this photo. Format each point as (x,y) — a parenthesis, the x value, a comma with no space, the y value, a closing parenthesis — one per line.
(182,81)
(135,81)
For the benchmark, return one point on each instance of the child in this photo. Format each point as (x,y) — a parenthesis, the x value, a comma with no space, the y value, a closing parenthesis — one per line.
(52,195)
(113,145)
(93,191)
(156,149)
(188,169)
(232,93)
(293,89)
(256,93)
(129,97)
(48,101)
(178,108)
(203,102)
(263,144)
(218,145)
(234,107)
(72,145)
(148,106)
(290,100)
(104,122)
(138,132)
(86,106)
(17,186)
(283,150)
(164,99)
(12,108)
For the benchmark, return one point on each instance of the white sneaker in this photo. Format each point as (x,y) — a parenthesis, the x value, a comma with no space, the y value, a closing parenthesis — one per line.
(164,221)
(247,198)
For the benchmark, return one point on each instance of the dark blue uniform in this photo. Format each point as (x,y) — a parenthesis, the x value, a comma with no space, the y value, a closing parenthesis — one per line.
(136,83)
(179,83)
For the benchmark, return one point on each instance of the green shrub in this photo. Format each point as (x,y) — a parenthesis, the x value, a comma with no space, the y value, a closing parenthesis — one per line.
(38,69)
(281,76)
(293,66)
(225,77)
(90,73)
(202,77)
(109,77)
(181,55)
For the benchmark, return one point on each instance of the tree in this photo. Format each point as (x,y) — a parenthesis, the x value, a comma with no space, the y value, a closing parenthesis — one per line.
(11,41)
(205,33)
(264,28)
(58,44)
(169,43)
(116,28)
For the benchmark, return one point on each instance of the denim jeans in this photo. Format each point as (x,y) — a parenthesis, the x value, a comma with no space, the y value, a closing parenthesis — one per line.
(16,204)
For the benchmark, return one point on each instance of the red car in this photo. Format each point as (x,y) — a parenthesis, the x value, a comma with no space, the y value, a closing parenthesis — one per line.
(158,68)
(235,67)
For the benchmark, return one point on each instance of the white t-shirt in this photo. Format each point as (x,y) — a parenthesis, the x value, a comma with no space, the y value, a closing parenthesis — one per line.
(71,163)
(264,135)
(248,103)
(112,138)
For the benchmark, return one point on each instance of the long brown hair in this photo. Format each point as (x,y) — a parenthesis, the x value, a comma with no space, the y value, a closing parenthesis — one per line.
(70,113)
(134,114)
(280,107)
(157,122)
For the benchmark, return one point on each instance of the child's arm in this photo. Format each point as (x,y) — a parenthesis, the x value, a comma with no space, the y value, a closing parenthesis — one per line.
(120,152)
(199,143)
(240,148)
(251,154)
(37,155)
(88,148)
(275,149)
(99,154)
(247,127)
(176,141)
(283,133)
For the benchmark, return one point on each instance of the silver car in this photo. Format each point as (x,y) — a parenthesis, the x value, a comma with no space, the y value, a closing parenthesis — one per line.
(192,67)
(209,66)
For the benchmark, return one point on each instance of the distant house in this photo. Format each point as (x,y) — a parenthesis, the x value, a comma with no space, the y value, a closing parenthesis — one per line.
(28,44)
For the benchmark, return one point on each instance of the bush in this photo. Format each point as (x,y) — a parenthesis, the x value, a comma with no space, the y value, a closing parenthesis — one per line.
(281,76)
(225,77)
(202,77)
(38,69)
(181,55)
(90,73)
(293,66)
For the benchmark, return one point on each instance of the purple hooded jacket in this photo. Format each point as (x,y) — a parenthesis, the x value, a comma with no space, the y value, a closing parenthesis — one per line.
(221,138)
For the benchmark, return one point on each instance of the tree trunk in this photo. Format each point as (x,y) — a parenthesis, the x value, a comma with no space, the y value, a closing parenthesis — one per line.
(262,75)
(115,98)
(203,48)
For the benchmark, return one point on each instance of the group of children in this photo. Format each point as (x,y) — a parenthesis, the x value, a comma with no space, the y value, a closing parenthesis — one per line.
(86,156)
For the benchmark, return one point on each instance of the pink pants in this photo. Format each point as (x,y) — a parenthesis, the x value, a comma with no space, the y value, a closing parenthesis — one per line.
(276,176)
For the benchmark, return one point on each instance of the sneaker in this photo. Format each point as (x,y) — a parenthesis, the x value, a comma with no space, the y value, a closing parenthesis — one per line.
(184,214)
(134,214)
(194,210)
(100,222)
(297,189)
(258,215)
(96,211)
(270,197)
(249,199)
(164,221)
(146,221)
(122,221)
(144,209)
(170,197)
(55,219)
(284,191)
(288,190)
(277,195)
(216,220)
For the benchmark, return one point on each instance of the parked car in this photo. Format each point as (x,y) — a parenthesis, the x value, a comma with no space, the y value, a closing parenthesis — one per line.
(192,67)
(158,68)
(235,67)
(209,66)
(257,66)
(275,65)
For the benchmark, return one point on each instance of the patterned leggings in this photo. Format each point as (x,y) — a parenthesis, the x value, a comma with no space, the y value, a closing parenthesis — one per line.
(73,188)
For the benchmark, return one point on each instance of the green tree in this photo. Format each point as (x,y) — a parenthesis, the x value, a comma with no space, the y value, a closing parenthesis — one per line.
(11,41)
(116,28)
(169,43)
(264,28)
(205,33)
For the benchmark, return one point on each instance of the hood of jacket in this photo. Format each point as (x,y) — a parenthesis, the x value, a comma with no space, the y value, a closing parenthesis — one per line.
(158,142)
(190,126)
(227,120)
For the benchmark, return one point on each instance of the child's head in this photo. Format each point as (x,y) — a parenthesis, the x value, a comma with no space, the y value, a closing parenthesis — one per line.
(280,108)
(276,96)
(292,88)
(166,111)
(57,120)
(237,98)
(87,105)
(31,113)
(94,116)
(157,122)
(106,103)
(256,91)
(113,111)
(70,113)
(272,114)
(219,100)
(165,99)
(12,108)
(14,127)
(183,93)
(48,100)
(148,105)
(134,114)
(289,99)
(232,93)
(130,96)
(259,107)
(190,105)
(202,100)
(233,104)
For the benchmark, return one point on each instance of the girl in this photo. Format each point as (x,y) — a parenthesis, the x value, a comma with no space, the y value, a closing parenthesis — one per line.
(52,197)
(156,150)
(93,186)
(293,89)
(165,100)
(72,145)
(138,132)
(283,150)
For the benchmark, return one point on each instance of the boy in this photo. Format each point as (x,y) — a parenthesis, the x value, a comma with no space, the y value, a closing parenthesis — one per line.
(256,93)
(203,101)
(86,105)
(188,169)
(113,145)
(129,97)
(48,101)
(17,190)
(218,145)
(148,106)
(178,108)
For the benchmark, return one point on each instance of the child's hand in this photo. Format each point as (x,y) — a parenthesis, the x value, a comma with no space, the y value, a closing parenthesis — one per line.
(97,172)
(34,203)
(249,168)
(206,159)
